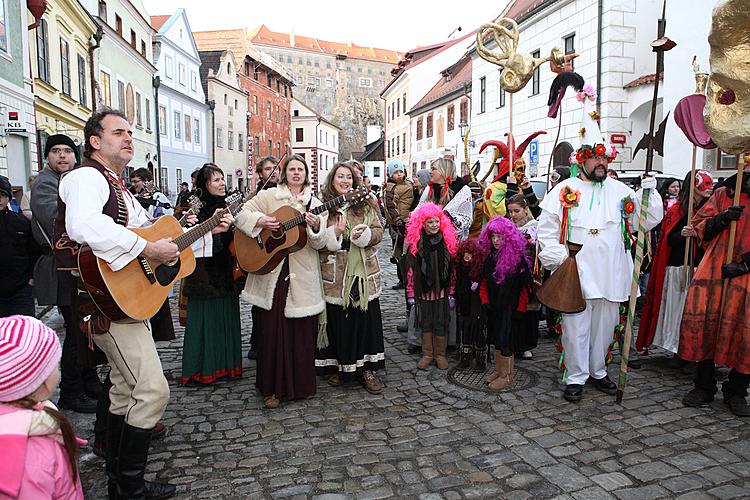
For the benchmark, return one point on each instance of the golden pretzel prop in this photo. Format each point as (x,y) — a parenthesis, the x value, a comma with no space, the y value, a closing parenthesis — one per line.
(517,68)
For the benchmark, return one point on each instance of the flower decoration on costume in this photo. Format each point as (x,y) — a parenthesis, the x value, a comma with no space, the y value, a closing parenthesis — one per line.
(627,209)
(587,151)
(582,132)
(594,116)
(587,92)
(568,199)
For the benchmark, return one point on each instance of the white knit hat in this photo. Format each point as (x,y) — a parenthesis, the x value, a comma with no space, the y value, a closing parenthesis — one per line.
(29,353)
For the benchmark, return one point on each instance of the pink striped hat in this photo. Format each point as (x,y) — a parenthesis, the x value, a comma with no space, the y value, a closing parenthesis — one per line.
(29,352)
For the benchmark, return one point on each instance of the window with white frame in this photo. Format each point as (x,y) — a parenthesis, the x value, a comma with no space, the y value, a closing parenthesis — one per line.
(162,120)
(365,82)
(178,177)
(65,65)
(168,67)
(4,47)
(177,125)
(81,79)
(193,81)
(240,145)
(181,74)
(148,114)
(535,77)
(122,106)
(219,137)
(188,128)
(138,110)
(196,131)
(482,94)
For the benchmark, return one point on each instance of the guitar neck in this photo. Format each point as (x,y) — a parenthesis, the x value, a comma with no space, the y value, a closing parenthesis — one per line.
(315,211)
(186,239)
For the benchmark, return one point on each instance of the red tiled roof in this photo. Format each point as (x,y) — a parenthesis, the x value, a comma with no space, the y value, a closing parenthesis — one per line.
(158,21)
(264,36)
(408,63)
(460,74)
(643,80)
(520,8)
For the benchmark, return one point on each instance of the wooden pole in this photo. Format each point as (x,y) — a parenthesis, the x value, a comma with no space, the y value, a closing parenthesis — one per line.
(687,265)
(732,231)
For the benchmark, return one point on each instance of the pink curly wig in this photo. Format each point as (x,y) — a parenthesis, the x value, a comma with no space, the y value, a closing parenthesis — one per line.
(513,248)
(478,256)
(416,221)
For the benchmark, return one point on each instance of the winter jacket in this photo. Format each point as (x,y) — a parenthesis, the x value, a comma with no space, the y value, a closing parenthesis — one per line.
(398,201)
(333,259)
(35,462)
(305,297)
(18,252)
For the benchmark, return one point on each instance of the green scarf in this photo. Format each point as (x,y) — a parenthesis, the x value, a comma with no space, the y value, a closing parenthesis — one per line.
(356,270)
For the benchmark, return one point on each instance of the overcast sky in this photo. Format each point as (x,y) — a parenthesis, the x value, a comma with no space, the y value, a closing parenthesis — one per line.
(389,24)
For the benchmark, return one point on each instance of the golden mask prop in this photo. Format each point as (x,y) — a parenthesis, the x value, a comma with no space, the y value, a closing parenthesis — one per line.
(727,112)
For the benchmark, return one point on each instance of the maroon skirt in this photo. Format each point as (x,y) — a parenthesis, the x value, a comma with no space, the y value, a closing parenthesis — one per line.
(286,348)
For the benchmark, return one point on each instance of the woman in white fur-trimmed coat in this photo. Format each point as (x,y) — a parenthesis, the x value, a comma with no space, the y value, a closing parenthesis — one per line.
(351,282)
(289,298)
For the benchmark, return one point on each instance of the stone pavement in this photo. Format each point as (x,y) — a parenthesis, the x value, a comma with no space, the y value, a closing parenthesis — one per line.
(428,438)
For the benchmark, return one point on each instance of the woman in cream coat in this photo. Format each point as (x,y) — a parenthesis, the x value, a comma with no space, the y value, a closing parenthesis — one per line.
(289,298)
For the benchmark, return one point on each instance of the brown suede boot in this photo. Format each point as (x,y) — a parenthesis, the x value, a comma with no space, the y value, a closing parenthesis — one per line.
(441,344)
(426,359)
(496,362)
(505,369)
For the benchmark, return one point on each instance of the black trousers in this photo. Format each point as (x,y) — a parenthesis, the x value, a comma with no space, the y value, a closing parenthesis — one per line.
(73,372)
(21,302)
(705,378)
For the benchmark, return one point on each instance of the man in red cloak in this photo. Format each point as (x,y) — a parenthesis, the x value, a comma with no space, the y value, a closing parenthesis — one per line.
(713,333)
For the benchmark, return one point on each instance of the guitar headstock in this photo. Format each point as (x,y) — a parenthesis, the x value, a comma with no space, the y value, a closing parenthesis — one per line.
(234,202)
(194,204)
(357,196)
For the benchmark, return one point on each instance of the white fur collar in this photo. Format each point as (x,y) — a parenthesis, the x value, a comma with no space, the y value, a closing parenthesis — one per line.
(283,193)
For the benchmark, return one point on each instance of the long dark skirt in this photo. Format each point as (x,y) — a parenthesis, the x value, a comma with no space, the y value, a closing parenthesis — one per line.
(512,331)
(286,348)
(355,342)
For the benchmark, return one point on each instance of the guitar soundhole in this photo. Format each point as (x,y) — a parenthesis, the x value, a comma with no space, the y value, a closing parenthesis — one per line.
(166,273)
(277,239)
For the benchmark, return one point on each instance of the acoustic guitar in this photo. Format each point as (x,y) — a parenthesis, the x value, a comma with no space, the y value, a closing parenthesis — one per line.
(138,290)
(261,254)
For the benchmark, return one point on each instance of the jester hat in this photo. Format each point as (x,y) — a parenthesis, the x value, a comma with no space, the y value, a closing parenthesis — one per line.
(505,148)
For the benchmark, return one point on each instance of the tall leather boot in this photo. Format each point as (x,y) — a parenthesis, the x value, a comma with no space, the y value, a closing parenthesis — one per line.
(466,357)
(505,370)
(480,359)
(113,433)
(427,351)
(134,447)
(441,346)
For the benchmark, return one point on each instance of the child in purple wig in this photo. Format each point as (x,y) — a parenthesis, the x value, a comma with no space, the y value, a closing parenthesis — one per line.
(470,259)
(506,292)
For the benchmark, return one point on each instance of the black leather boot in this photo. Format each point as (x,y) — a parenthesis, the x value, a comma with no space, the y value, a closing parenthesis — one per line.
(465,358)
(113,433)
(133,456)
(480,356)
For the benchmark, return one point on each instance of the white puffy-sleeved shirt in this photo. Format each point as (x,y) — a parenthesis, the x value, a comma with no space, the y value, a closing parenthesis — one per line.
(604,265)
(85,191)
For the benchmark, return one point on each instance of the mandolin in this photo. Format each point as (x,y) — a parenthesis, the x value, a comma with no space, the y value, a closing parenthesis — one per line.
(138,290)
(261,254)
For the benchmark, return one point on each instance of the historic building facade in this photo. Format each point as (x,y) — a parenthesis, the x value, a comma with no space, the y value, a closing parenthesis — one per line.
(316,139)
(181,103)
(342,81)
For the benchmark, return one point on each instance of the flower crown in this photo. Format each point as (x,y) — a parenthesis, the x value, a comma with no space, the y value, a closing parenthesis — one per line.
(587,151)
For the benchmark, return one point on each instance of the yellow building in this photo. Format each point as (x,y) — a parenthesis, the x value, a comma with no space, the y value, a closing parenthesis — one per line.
(60,65)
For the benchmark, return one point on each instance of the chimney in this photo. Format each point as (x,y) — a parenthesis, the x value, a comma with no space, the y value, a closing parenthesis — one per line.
(291,38)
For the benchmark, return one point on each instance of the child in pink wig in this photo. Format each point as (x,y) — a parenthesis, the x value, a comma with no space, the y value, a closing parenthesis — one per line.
(432,242)
(506,292)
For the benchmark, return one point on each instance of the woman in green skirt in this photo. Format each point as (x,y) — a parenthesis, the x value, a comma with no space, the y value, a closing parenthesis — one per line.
(212,344)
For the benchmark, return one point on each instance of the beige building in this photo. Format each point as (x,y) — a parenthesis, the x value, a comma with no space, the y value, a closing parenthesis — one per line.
(229,149)
(61,68)
(316,139)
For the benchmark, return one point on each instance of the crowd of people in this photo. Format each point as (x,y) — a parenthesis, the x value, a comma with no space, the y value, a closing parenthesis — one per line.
(470,258)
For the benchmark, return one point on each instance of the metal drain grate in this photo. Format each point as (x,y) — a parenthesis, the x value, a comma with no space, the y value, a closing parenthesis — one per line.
(522,379)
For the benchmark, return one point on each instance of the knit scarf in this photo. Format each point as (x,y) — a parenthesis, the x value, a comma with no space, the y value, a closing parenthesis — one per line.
(434,262)
(355,280)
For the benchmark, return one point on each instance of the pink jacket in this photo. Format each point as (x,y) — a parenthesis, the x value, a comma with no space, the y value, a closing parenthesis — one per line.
(35,463)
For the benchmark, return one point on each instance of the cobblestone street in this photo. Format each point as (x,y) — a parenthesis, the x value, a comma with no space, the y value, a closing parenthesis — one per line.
(427,437)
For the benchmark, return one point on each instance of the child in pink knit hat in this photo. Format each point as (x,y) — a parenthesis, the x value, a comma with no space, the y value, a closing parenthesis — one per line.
(40,450)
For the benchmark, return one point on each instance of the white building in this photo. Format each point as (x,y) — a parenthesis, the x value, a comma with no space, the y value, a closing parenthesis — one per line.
(440,118)
(315,139)
(373,156)
(228,117)
(182,108)
(414,76)
(622,35)
(688,23)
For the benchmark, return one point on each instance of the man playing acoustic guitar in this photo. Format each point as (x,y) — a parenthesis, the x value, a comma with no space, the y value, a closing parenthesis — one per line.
(97,211)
